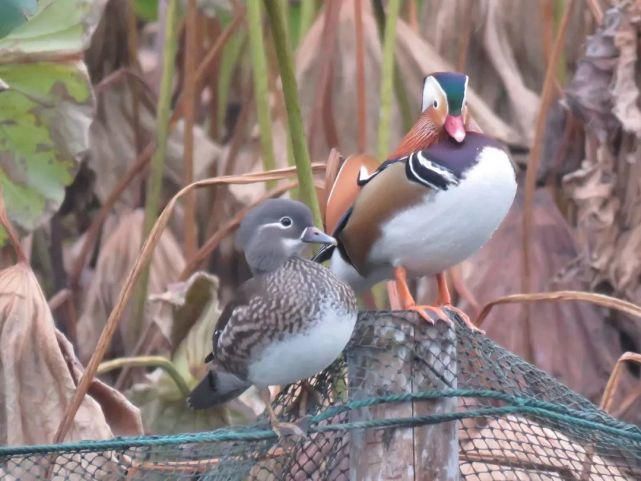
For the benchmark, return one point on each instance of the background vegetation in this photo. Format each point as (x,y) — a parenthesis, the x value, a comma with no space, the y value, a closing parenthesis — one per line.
(108,108)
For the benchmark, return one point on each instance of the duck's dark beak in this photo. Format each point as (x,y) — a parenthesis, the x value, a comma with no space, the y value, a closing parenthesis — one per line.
(316,236)
(455,128)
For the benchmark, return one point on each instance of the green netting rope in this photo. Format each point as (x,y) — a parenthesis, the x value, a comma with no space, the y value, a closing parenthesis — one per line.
(517,405)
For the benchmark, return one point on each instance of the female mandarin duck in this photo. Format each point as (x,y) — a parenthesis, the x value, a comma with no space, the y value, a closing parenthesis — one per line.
(437,200)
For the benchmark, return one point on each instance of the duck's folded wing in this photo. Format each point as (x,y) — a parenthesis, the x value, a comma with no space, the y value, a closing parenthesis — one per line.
(355,171)
(234,309)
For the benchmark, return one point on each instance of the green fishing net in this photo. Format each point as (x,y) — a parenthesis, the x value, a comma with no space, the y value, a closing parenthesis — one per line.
(406,401)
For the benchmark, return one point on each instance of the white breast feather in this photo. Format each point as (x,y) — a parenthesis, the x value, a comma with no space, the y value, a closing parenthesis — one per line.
(304,355)
(450,225)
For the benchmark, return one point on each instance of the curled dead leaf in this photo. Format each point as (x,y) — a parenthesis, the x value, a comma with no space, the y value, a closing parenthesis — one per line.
(117,255)
(604,192)
(113,146)
(184,304)
(588,93)
(192,309)
(625,91)
(39,372)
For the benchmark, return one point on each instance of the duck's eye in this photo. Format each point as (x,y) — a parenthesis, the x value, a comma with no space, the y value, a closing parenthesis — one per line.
(435,104)
(285,221)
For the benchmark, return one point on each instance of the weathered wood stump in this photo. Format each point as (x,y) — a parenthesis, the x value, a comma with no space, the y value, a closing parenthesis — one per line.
(392,353)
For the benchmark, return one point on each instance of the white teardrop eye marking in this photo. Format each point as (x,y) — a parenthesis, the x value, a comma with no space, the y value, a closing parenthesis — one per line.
(433,94)
(286,221)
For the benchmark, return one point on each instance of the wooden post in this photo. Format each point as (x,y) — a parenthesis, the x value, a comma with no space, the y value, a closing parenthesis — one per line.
(397,352)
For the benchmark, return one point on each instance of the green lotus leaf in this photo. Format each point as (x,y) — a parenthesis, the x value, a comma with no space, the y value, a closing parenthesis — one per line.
(46,107)
(14,13)
(58,29)
(45,116)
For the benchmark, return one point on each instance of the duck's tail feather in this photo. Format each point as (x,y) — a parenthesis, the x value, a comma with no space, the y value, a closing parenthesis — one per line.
(217,387)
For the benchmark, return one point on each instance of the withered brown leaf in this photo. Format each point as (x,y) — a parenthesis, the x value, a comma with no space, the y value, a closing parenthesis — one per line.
(39,372)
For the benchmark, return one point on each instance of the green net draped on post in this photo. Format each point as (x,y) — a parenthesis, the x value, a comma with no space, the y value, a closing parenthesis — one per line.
(408,401)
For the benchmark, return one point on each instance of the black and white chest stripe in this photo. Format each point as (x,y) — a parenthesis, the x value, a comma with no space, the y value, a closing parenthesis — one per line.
(420,168)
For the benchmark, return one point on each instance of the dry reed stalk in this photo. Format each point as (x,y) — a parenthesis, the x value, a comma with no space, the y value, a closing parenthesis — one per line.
(387,81)
(189,94)
(360,77)
(535,153)
(59,298)
(613,381)
(322,105)
(598,299)
(464,40)
(261,87)
(596,10)
(331,171)
(210,58)
(93,230)
(132,52)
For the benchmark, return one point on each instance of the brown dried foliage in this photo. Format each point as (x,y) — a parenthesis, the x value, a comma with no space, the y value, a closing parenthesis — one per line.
(117,255)
(40,371)
(604,192)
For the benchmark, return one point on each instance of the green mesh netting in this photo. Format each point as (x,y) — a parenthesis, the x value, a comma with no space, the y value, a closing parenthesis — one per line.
(408,401)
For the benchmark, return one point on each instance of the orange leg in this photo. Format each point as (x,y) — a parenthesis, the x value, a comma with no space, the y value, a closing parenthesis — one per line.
(408,302)
(445,299)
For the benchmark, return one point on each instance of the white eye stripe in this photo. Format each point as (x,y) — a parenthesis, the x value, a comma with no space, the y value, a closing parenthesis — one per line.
(432,91)
(275,224)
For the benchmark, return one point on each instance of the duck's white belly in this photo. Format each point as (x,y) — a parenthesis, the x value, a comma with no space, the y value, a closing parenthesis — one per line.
(449,226)
(303,355)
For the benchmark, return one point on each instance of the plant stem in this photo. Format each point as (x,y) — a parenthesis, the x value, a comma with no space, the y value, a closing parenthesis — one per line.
(361,94)
(294,117)
(261,88)
(189,92)
(534,157)
(402,99)
(154,184)
(307,11)
(284,8)
(229,67)
(147,361)
(387,83)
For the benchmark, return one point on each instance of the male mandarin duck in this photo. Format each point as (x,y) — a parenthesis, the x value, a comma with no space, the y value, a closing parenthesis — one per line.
(437,199)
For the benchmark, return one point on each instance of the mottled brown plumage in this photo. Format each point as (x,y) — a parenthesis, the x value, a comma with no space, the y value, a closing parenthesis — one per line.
(276,305)
(288,322)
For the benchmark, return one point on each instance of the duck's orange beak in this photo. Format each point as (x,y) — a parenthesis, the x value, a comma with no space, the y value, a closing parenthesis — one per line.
(455,128)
